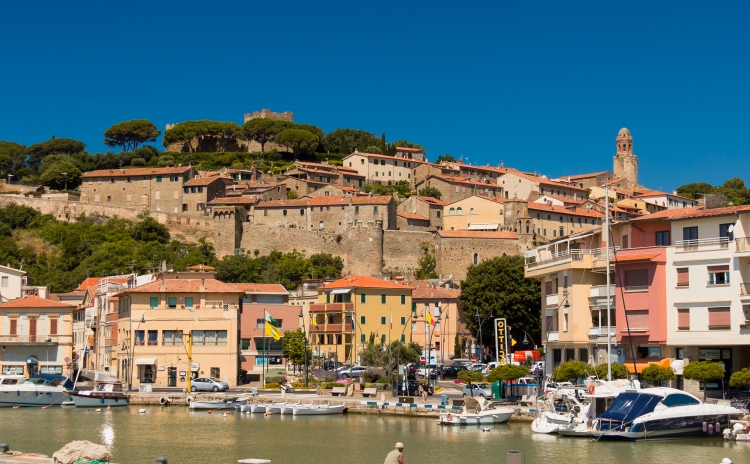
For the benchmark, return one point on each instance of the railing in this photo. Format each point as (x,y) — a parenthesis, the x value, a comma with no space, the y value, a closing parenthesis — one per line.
(218,305)
(41,339)
(570,255)
(601,291)
(745,288)
(743,243)
(553,299)
(327,328)
(636,288)
(702,243)
(599,331)
(553,336)
(332,307)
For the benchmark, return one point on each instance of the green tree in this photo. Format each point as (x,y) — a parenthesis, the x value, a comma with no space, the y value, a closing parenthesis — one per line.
(130,134)
(445,157)
(150,230)
(507,372)
(430,192)
(293,347)
(61,174)
(372,354)
(291,195)
(403,353)
(572,371)
(619,371)
(346,140)
(736,191)
(63,146)
(401,187)
(470,376)
(300,141)
(657,374)
(374,149)
(12,157)
(695,190)
(456,347)
(182,133)
(427,263)
(261,130)
(740,378)
(498,286)
(703,371)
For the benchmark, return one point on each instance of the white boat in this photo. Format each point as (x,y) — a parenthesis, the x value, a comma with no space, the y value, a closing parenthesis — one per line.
(551,421)
(218,404)
(738,430)
(105,393)
(317,409)
(289,408)
(477,410)
(603,393)
(38,390)
(661,412)
(258,407)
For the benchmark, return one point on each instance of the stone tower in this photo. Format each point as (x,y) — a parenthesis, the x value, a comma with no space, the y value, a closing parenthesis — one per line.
(625,162)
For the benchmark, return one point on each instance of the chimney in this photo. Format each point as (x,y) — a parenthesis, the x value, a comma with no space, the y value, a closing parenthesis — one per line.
(163,285)
(203,285)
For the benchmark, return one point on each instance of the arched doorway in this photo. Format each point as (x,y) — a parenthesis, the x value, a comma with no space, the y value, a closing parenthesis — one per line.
(32,365)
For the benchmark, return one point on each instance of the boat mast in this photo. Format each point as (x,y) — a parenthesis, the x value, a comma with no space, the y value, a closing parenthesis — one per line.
(609,296)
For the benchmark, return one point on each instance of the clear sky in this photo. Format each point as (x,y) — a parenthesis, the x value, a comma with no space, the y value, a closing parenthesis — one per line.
(542,86)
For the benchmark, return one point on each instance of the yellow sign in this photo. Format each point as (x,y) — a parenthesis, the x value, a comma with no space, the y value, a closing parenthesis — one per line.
(500,342)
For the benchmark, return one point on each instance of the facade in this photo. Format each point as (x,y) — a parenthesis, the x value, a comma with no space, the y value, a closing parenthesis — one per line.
(522,186)
(420,213)
(382,169)
(456,250)
(154,189)
(457,188)
(474,213)
(451,324)
(666,200)
(589,180)
(153,326)
(36,335)
(351,309)
(198,192)
(12,282)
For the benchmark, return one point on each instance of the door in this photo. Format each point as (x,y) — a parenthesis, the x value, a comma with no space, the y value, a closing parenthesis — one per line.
(172,377)
(32,330)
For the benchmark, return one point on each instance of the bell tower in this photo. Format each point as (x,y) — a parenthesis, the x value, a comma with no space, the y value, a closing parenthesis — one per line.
(625,162)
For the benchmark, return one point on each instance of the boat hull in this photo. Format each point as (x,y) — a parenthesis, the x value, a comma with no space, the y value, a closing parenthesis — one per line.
(97,401)
(541,425)
(257,408)
(211,405)
(32,398)
(318,410)
(671,428)
(474,419)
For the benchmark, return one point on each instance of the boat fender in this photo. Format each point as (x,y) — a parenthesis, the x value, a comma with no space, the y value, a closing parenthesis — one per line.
(36,393)
(592,388)
(710,429)
(117,400)
(718,427)
(18,393)
(164,400)
(102,400)
(705,426)
(189,399)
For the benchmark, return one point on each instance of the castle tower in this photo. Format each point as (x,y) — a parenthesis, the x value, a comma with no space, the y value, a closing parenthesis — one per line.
(625,162)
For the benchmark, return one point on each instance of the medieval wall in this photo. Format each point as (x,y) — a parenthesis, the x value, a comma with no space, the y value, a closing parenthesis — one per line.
(455,255)
(402,249)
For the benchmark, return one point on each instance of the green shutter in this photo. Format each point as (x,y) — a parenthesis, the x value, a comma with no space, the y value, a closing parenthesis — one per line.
(403,320)
(328,297)
(362,319)
(362,298)
(382,320)
(362,338)
(403,299)
(154,302)
(403,338)
(382,299)
(172,301)
(188,301)
(158,178)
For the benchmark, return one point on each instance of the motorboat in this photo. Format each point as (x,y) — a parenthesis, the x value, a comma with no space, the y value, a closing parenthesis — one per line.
(258,407)
(318,409)
(105,393)
(289,408)
(227,403)
(477,410)
(550,420)
(37,390)
(601,395)
(275,408)
(661,412)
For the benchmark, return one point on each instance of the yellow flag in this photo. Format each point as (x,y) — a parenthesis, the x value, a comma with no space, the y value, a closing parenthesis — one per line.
(314,321)
(273,331)
(428,317)
(513,342)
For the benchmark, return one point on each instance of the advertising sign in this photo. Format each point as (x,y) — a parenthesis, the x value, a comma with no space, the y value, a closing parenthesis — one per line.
(501,339)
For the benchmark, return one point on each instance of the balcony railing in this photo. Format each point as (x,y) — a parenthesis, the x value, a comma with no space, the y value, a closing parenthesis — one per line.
(569,255)
(553,299)
(554,336)
(35,339)
(216,305)
(599,331)
(743,243)
(327,328)
(745,289)
(601,291)
(715,243)
(330,307)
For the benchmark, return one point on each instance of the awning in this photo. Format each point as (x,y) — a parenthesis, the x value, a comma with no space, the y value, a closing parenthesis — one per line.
(637,257)
(490,226)
(32,360)
(338,291)
(145,362)
(195,366)
(643,363)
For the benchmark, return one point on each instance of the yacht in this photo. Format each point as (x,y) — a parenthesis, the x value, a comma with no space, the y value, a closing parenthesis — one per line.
(105,393)
(477,410)
(37,390)
(602,394)
(661,412)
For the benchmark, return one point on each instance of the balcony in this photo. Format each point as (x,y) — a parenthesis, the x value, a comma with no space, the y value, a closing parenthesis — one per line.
(743,244)
(214,305)
(553,336)
(702,244)
(331,307)
(595,332)
(553,299)
(327,328)
(600,291)
(35,339)
(545,258)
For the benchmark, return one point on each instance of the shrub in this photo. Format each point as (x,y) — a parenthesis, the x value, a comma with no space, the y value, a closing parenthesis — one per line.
(328,385)
(298,384)
(279,379)
(272,385)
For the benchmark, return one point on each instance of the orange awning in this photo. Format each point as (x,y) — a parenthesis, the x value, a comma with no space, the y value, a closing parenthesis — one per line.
(643,363)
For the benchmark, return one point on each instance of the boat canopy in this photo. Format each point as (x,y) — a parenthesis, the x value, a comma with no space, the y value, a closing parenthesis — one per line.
(52,379)
(630,405)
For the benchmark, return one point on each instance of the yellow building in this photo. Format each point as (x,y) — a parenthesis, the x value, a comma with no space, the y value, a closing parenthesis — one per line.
(352,308)
(153,319)
(474,213)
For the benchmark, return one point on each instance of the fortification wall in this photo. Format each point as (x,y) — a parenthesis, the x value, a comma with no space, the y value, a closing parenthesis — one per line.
(402,249)
(361,248)
(190,227)
(455,255)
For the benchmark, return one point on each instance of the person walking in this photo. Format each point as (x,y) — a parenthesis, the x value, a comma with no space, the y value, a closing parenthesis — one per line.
(396,456)
(420,391)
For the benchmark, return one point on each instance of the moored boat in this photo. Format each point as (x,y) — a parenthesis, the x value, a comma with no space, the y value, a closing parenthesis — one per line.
(37,390)
(289,408)
(105,393)
(318,409)
(477,410)
(218,404)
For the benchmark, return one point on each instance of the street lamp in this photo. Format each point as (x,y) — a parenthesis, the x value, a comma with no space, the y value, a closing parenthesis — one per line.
(131,351)
(481,321)
(304,333)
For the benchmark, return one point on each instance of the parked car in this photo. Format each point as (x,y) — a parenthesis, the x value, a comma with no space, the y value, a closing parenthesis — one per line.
(331,365)
(412,388)
(478,389)
(207,384)
(479,367)
(355,371)
(451,372)
(741,393)
(432,368)
(537,368)
(488,368)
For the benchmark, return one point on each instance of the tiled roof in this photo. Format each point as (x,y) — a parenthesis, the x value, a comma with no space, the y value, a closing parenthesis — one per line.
(428,290)
(414,150)
(137,172)
(477,234)
(613,181)
(584,176)
(186,286)
(463,180)
(94,281)
(481,197)
(693,212)
(431,200)
(564,199)
(33,302)
(542,180)
(657,193)
(364,282)
(563,210)
(322,200)
(262,288)
(201,181)
(636,257)
(375,155)
(409,215)
(200,268)
(241,200)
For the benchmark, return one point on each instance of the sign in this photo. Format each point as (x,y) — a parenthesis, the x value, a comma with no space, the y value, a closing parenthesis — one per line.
(501,339)
(709,354)
(67,360)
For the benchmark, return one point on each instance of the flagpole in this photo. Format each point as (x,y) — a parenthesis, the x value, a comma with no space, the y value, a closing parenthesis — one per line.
(265,358)
(390,327)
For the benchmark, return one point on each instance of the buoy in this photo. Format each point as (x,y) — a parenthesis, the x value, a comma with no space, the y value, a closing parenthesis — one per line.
(88,409)
(98,409)
(209,411)
(225,414)
(16,407)
(45,407)
(485,429)
(142,411)
(718,427)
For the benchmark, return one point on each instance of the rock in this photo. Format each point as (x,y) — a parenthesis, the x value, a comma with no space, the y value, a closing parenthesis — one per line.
(81,449)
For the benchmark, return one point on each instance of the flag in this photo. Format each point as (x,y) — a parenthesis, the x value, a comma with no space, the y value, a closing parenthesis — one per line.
(428,318)
(272,331)
(391,319)
(352,323)
(270,319)
(314,321)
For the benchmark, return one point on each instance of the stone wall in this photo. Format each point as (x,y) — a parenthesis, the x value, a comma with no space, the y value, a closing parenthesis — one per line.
(402,249)
(455,255)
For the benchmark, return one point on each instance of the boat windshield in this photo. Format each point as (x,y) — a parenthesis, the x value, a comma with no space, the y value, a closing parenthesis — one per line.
(630,405)
(35,382)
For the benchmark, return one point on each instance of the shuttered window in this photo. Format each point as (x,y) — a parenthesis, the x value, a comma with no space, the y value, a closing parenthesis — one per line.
(53,326)
(718,275)
(683,277)
(636,278)
(683,319)
(548,324)
(14,327)
(638,319)
(548,288)
(719,318)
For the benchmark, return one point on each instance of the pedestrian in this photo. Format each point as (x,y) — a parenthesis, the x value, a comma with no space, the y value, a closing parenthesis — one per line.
(396,456)
(423,392)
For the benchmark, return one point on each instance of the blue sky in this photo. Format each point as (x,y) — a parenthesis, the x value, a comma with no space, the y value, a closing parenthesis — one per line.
(541,86)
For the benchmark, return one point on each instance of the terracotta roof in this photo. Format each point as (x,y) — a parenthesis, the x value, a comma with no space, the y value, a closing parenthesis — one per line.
(262,288)
(636,257)
(563,210)
(477,234)
(584,176)
(200,268)
(34,302)
(185,286)
(201,181)
(428,290)
(542,180)
(657,193)
(240,200)
(692,213)
(564,199)
(364,282)
(463,180)
(430,200)
(95,281)
(409,149)
(137,172)
(322,200)
(375,155)
(409,215)
(614,181)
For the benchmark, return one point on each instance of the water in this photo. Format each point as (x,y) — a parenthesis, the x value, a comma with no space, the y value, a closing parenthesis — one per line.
(198,437)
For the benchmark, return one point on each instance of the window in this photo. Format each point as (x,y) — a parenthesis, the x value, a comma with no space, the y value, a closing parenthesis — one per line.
(153,337)
(683,277)
(383,320)
(154,303)
(158,178)
(403,320)
(382,299)
(403,299)
(690,233)
(459,211)
(625,242)
(171,338)
(362,298)
(4,282)
(718,275)
(260,324)
(188,301)
(451,212)
(663,238)
(726,231)
(356,208)
(683,319)
(112,180)
(216,373)
(283,213)
(53,326)
(362,338)
(362,319)
(403,338)
(636,280)
(374,209)
(211,337)
(172,302)
(638,319)
(130,179)
(476,259)
(719,319)
(14,327)
(140,337)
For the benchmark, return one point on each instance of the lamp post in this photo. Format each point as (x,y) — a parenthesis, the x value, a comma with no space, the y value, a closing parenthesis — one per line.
(481,321)
(304,333)
(131,352)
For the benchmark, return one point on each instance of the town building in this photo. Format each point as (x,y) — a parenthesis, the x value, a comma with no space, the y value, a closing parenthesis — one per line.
(382,169)
(625,162)
(12,282)
(36,335)
(666,200)
(474,213)
(450,327)
(593,179)
(522,186)
(457,188)
(456,250)
(420,213)
(198,192)
(351,309)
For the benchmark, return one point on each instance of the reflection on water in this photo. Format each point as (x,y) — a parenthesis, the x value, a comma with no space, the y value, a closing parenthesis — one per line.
(197,437)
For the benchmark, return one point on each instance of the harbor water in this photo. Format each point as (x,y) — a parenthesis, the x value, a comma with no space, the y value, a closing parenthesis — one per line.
(198,437)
